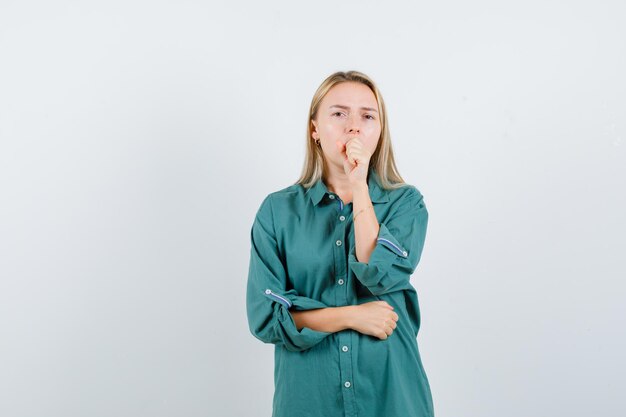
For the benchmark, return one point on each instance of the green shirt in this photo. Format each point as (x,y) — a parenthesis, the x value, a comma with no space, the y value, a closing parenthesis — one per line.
(303,257)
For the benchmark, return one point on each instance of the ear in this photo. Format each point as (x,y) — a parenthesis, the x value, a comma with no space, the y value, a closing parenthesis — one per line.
(314,129)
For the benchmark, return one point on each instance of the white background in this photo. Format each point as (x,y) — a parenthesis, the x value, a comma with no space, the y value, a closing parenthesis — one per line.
(137,140)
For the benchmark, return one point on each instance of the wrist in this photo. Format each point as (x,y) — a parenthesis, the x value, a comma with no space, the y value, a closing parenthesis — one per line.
(347,316)
(360,186)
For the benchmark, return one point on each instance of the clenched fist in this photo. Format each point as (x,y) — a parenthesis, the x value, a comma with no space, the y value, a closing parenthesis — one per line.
(375,318)
(356,159)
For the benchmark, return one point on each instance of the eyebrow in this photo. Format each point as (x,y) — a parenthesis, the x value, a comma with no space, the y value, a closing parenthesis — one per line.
(348,108)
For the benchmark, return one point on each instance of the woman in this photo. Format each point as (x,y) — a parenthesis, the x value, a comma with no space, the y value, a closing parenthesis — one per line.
(330,264)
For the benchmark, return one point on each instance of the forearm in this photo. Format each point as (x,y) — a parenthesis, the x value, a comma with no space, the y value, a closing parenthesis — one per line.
(366,224)
(330,319)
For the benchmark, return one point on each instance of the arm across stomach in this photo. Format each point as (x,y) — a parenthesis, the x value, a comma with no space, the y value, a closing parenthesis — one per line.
(330,319)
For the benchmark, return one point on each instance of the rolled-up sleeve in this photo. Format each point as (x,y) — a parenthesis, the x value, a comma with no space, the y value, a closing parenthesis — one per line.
(267,299)
(398,247)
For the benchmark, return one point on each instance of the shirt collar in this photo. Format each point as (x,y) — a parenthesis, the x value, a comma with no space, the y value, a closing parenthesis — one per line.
(377,194)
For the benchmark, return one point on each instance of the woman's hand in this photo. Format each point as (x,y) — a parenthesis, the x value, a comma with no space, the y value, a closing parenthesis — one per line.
(356,159)
(375,318)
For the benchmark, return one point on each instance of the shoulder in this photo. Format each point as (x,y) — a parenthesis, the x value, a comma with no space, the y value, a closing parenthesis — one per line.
(406,194)
(407,207)
(283,199)
(292,192)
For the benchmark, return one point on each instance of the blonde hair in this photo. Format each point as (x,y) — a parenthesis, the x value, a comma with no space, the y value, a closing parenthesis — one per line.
(382,160)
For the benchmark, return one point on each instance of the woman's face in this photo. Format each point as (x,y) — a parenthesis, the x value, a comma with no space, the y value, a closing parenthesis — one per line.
(348,110)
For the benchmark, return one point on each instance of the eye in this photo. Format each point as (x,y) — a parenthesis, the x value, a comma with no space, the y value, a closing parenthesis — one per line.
(337,112)
(369,115)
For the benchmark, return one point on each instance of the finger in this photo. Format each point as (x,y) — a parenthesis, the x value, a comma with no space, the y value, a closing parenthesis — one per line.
(353,146)
(354,141)
(355,155)
(354,150)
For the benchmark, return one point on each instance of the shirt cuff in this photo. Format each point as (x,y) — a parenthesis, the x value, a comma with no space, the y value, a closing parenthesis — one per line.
(387,254)
(293,339)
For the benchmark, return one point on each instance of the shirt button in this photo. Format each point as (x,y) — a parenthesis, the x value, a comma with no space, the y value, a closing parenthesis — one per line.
(347,384)
(338,243)
(345,348)
(404,253)
(268,291)
(340,282)
(342,218)
(332,197)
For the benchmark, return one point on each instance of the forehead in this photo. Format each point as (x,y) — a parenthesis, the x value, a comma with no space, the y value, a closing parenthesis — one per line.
(351,94)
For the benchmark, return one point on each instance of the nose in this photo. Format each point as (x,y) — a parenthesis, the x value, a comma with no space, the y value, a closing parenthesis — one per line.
(353,126)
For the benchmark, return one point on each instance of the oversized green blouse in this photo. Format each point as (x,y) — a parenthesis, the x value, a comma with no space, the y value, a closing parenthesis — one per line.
(303,257)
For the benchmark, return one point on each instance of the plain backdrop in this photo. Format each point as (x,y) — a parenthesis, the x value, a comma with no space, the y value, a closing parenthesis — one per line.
(138,139)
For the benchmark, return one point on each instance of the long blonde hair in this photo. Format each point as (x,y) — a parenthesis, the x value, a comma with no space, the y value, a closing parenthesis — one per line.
(382,160)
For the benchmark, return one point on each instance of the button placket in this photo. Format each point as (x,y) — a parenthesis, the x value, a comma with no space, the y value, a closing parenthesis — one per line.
(344,338)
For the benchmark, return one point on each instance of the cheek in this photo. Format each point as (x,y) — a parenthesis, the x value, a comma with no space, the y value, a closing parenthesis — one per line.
(375,129)
(374,143)
(331,126)
(372,132)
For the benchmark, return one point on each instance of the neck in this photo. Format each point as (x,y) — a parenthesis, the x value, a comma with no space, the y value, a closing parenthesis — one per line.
(336,180)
